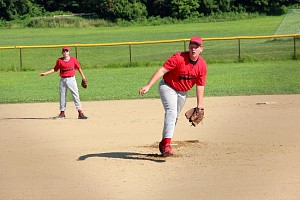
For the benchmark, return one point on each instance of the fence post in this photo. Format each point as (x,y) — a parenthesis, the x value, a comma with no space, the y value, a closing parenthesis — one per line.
(295,54)
(21,62)
(129,53)
(76,53)
(239,47)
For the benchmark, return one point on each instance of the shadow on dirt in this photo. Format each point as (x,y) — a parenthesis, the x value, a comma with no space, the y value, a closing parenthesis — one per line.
(125,155)
(30,118)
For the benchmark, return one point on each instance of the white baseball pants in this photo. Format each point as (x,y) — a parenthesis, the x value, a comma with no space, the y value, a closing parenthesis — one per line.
(70,83)
(173,102)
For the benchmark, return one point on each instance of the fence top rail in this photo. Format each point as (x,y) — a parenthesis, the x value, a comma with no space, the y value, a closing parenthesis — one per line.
(149,42)
(254,37)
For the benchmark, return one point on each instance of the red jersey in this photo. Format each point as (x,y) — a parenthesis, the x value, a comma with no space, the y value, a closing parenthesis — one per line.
(183,75)
(67,68)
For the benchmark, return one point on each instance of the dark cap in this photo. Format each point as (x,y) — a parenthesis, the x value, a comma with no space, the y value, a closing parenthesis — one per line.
(196,40)
(66,48)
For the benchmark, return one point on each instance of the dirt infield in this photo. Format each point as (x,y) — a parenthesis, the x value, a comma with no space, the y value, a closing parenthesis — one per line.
(248,148)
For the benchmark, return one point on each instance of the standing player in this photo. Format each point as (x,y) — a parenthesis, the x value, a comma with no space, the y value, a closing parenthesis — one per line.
(180,73)
(67,66)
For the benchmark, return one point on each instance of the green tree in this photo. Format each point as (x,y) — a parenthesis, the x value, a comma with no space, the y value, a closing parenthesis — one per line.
(16,9)
(269,7)
(60,5)
(208,7)
(184,9)
(121,9)
(161,8)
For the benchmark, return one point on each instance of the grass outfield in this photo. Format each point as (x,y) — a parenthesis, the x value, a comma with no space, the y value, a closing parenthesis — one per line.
(98,57)
(281,77)
(107,80)
(265,25)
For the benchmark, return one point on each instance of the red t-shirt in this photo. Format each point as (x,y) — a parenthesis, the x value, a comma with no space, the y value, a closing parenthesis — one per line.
(67,68)
(183,75)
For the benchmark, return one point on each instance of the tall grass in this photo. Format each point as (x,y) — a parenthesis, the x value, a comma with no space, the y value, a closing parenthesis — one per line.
(67,20)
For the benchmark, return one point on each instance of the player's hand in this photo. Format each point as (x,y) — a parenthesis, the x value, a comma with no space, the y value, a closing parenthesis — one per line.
(144,90)
(42,74)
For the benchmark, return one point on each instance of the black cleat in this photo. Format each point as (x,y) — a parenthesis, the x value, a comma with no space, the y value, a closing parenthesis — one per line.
(82,116)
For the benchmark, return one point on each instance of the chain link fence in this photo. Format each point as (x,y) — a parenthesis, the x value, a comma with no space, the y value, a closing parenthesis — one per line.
(216,50)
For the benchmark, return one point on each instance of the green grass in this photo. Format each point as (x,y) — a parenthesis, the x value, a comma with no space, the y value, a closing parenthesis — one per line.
(281,77)
(38,36)
(43,36)
(97,57)
(266,68)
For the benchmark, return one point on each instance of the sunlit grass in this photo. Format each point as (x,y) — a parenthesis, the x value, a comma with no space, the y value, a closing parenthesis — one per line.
(281,77)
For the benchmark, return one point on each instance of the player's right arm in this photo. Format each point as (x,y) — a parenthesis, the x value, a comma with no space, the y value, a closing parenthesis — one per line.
(47,72)
(57,67)
(159,73)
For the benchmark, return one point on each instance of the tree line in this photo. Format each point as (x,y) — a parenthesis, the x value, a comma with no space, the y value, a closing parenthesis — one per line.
(113,10)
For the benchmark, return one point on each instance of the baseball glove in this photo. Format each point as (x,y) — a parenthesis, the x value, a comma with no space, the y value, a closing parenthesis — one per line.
(195,115)
(84,83)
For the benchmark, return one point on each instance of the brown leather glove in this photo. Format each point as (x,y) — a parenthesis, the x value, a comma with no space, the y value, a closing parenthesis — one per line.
(84,83)
(195,115)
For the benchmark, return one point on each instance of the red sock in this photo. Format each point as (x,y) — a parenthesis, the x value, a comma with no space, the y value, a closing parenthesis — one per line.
(166,141)
(80,111)
(62,112)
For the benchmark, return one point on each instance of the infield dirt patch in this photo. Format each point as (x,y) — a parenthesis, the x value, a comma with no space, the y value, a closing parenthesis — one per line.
(248,148)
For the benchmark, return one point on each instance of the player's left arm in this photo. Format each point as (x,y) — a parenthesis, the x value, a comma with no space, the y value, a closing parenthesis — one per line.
(81,73)
(199,95)
(200,83)
(78,67)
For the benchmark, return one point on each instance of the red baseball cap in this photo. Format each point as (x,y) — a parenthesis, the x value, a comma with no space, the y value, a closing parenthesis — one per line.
(196,40)
(66,48)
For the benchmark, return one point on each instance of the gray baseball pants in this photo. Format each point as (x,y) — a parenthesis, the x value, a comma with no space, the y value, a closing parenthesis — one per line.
(70,83)
(173,102)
